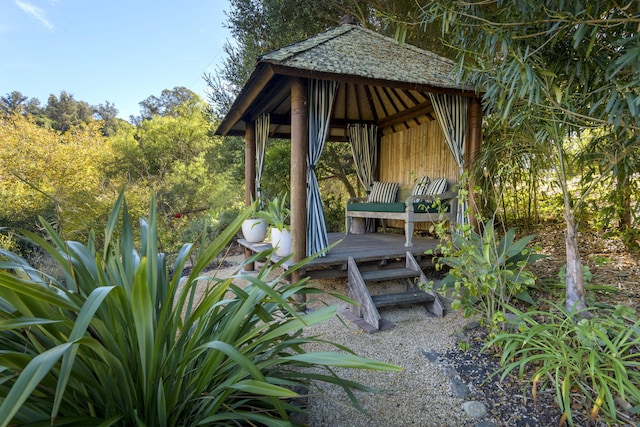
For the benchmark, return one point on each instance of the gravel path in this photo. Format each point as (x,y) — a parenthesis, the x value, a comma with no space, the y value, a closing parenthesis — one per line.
(419,395)
(440,384)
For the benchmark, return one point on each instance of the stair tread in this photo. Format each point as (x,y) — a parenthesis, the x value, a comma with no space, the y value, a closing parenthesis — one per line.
(389,274)
(399,298)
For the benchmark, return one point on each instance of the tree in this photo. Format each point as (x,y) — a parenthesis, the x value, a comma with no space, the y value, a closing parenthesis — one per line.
(562,67)
(171,155)
(57,176)
(108,114)
(65,112)
(169,102)
(14,103)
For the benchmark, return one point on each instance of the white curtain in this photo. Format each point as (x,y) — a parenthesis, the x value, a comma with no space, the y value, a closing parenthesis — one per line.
(321,96)
(364,148)
(451,112)
(262,134)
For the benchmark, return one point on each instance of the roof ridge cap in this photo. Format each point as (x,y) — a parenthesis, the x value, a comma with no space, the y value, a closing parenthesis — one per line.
(300,46)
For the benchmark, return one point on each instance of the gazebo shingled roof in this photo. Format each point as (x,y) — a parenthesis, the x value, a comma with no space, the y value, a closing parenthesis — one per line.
(381,81)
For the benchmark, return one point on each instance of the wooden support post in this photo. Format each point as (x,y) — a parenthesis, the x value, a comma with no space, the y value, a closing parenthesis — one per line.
(299,147)
(474,141)
(249,175)
(250,163)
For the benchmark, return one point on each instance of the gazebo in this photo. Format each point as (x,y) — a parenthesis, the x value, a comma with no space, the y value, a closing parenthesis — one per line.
(400,107)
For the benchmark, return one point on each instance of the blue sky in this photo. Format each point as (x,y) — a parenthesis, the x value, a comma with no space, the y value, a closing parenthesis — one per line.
(121,51)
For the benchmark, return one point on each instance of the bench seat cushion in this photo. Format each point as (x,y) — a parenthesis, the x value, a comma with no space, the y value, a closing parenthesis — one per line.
(376,207)
(421,207)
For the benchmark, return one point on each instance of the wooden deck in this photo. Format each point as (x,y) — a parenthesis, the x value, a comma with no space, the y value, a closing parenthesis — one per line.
(371,251)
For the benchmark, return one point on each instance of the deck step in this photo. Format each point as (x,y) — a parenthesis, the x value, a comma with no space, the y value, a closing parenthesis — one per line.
(365,312)
(389,274)
(400,298)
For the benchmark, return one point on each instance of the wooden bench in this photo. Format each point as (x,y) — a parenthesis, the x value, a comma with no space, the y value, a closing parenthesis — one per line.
(413,209)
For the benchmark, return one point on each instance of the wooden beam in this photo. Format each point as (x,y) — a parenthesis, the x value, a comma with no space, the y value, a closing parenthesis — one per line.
(257,81)
(285,120)
(474,142)
(272,96)
(299,147)
(409,113)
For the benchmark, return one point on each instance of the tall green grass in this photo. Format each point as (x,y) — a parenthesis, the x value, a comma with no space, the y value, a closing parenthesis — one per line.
(122,340)
(591,363)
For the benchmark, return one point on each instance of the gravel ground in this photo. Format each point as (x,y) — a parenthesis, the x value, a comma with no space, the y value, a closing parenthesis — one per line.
(419,395)
(439,376)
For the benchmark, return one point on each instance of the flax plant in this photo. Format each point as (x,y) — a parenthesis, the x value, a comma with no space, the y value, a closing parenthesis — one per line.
(123,339)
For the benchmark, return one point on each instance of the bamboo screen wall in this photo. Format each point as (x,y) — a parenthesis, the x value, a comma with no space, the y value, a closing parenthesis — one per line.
(408,155)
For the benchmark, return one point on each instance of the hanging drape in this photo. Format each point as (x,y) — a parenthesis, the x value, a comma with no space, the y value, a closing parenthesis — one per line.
(364,148)
(262,134)
(451,112)
(320,101)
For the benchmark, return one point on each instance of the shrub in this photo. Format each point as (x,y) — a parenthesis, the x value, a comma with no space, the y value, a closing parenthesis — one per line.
(595,359)
(486,272)
(122,342)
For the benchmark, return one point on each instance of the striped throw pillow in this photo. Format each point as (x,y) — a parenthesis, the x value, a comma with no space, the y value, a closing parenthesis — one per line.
(421,186)
(383,192)
(437,186)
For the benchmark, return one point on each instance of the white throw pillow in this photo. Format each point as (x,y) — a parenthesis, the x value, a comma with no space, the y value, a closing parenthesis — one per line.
(437,186)
(383,192)
(420,189)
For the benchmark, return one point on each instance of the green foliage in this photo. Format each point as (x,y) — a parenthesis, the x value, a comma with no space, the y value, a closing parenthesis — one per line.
(486,272)
(596,359)
(8,241)
(172,154)
(121,341)
(208,226)
(46,173)
(276,213)
(513,174)
(333,207)
(276,175)
(561,66)
(65,112)
(171,102)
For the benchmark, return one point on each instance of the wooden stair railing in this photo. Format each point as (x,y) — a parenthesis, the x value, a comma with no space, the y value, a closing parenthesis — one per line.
(366,310)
